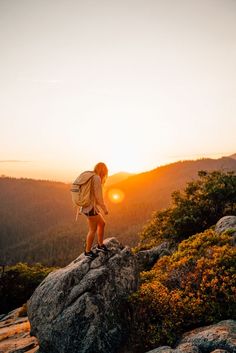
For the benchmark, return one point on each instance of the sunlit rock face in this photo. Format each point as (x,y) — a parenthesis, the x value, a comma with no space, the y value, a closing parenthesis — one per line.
(227,223)
(83,308)
(219,338)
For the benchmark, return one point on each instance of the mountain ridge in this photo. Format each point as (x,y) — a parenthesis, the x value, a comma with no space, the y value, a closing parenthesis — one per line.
(233,156)
(37,220)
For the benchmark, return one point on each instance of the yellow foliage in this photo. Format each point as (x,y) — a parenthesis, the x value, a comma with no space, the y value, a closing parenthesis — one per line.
(193,286)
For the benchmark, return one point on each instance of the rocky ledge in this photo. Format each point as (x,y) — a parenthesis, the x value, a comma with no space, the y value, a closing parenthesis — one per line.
(219,338)
(83,307)
(15,334)
(227,223)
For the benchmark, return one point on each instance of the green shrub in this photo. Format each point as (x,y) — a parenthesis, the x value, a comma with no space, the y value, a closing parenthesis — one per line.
(18,284)
(198,207)
(192,287)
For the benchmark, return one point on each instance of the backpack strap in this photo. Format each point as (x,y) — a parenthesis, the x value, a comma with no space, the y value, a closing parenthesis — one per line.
(92,191)
(78,213)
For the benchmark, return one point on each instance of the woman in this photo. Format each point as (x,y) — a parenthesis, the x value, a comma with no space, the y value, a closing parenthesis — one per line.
(96,222)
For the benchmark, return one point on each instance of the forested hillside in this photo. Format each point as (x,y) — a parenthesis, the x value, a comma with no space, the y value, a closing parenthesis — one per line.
(150,191)
(37,220)
(30,206)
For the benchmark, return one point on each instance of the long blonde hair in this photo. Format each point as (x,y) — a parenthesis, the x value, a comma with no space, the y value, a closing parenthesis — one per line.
(101,170)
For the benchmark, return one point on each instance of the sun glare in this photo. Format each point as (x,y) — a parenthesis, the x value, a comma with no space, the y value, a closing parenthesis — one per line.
(116,195)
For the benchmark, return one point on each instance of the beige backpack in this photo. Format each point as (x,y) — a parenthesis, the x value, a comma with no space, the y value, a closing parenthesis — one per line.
(82,189)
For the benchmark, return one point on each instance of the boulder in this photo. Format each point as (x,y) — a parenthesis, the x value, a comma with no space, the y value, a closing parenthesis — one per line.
(227,223)
(218,338)
(83,308)
(210,338)
(147,258)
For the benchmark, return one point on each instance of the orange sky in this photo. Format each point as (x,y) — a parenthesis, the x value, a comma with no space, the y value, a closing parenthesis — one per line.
(135,84)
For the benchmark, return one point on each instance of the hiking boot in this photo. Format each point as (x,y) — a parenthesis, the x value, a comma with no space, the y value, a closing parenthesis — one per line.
(91,255)
(102,248)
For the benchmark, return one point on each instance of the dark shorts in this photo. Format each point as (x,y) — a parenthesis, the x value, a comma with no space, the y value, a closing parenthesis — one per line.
(93,212)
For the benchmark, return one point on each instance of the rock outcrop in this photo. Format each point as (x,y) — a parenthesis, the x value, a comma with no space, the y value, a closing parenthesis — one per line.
(83,307)
(219,338)
(227,223)
(15,334)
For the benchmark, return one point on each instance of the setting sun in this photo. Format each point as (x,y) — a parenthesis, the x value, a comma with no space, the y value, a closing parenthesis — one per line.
(152,91)
(116,195)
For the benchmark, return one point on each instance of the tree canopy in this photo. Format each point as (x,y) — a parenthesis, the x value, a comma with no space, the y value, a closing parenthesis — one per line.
(202,203)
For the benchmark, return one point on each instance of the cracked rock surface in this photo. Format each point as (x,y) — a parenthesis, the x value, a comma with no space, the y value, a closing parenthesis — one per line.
(83,308)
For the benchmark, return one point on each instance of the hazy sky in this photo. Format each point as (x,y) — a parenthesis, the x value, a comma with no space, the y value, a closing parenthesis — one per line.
(132,83)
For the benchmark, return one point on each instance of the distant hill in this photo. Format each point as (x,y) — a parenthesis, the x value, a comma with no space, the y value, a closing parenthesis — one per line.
(151,186)
(116,178)
(152,190)
(28,208)
(233,156)
(37,221)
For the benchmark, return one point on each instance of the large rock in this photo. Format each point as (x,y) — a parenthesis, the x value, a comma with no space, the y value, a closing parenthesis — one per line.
(219,338)
(227,223)
(83,308)
(147,258)
(210,338)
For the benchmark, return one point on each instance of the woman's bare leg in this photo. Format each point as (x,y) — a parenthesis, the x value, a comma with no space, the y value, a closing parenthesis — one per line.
(100,229)
(92,223)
